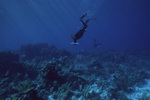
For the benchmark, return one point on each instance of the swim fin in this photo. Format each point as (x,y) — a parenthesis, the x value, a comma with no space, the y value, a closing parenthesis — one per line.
(74,43)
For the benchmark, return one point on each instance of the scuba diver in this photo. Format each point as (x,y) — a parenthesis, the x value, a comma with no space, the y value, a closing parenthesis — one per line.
(96,45)
(80,33)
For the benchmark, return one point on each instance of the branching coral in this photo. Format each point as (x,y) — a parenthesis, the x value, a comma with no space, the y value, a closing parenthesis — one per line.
(63,92)
(92,92)
(145,96)
(126,79)
(23,90)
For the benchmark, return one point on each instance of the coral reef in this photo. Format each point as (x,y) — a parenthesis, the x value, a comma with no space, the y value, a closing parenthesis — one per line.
(40,51)
(43,72)
(145,96)
(125,79)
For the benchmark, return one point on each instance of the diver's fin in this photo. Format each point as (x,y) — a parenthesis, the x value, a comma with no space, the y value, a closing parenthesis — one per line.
(74,43)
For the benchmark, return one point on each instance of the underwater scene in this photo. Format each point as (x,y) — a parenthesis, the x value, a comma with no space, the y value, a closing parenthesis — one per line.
(74,50)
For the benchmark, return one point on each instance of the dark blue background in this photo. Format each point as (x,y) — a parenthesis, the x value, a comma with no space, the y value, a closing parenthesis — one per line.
(117,24)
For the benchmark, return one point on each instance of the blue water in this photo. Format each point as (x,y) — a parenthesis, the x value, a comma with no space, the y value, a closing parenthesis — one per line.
(117,24)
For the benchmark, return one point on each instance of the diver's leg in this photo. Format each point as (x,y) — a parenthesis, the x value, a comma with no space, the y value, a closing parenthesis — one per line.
(75,41)
(82,18)
(88,20)
(85,23)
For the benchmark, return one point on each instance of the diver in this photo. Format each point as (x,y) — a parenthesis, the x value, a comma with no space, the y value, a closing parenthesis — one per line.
(96,45)
(80,33)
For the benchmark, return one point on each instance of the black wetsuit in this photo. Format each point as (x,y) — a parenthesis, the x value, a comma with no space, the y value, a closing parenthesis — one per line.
(80,33)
